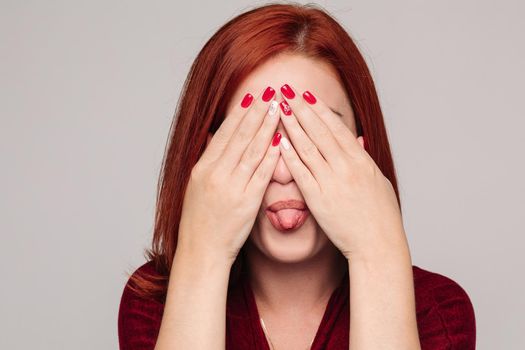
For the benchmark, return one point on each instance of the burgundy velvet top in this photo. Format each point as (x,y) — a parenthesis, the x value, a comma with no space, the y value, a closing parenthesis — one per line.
(445,317)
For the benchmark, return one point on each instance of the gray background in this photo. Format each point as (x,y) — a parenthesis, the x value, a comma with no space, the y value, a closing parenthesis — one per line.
(88,90)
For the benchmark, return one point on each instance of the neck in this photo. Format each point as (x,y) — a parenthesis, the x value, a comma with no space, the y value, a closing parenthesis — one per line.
(295,288)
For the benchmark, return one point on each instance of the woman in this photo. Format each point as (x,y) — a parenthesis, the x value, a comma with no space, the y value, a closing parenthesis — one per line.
(278,221)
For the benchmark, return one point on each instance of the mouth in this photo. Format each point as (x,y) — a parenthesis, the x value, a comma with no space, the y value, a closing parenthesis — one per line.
(287,215)
(287,204)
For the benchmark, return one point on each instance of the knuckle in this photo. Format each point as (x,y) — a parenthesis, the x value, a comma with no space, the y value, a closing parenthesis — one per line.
(261,174)
(296,110)
(260,107)
(243,166)
(242,134)
(301,109)
(214,179)
(324,133)
(308,149)
(253,154)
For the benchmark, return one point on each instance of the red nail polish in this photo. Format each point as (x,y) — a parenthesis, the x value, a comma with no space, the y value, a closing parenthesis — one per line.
(309,97)
(286,108)
(276,139)
(268,94)
(287,91)
(247,100)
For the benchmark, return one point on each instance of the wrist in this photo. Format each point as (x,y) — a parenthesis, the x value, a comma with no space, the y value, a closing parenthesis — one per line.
(202,259)
(382,255)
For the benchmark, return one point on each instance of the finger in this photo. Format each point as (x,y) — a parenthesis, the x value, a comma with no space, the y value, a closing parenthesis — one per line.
(306,149)
(258,146)
(246,130)
(264,172)
(228,126)
(341,132)
(314,128)
(307,183)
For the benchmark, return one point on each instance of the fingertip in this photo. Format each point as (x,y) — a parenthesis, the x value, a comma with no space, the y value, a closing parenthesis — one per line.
(276,139)
(285,143)
(247,100)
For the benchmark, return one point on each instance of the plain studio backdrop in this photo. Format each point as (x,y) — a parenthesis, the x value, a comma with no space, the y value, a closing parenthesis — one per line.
(88,91)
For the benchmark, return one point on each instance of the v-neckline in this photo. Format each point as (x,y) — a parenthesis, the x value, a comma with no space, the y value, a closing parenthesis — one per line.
(252,305)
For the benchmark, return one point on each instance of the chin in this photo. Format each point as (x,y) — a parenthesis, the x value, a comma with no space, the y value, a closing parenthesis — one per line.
(287,247)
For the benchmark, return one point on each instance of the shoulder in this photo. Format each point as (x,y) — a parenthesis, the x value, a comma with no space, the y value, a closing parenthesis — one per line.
(444,311)
(148,267)
(435,290)
(139,318)
(145,271)
(433,285)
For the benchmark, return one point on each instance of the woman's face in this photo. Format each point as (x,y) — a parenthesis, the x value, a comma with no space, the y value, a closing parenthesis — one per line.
(321,79)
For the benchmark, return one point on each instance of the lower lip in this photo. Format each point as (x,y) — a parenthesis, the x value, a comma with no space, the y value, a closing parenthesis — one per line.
(275,221)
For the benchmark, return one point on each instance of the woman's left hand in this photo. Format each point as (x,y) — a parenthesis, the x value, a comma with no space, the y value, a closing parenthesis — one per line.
(344,189)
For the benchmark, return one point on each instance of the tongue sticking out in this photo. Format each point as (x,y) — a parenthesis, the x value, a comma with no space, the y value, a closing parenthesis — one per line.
(288,218)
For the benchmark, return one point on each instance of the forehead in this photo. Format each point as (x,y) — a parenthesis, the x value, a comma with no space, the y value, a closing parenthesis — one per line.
(302,73)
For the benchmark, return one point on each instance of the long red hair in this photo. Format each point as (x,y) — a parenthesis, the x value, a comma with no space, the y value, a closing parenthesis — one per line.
(229,56)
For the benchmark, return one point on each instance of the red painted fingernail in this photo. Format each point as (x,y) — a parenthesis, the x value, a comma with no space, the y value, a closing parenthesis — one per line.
(309,97)
(276,139)
(286,108)
(287,91)
(247,100)
(268,94)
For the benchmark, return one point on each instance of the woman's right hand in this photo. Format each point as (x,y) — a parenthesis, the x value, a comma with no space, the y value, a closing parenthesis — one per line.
(229,180)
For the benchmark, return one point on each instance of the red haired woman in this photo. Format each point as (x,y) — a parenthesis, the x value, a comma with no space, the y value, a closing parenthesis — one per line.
(278,222)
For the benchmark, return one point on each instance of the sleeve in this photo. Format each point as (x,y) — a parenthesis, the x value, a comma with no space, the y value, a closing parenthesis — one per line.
(448,323)
(138,321)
